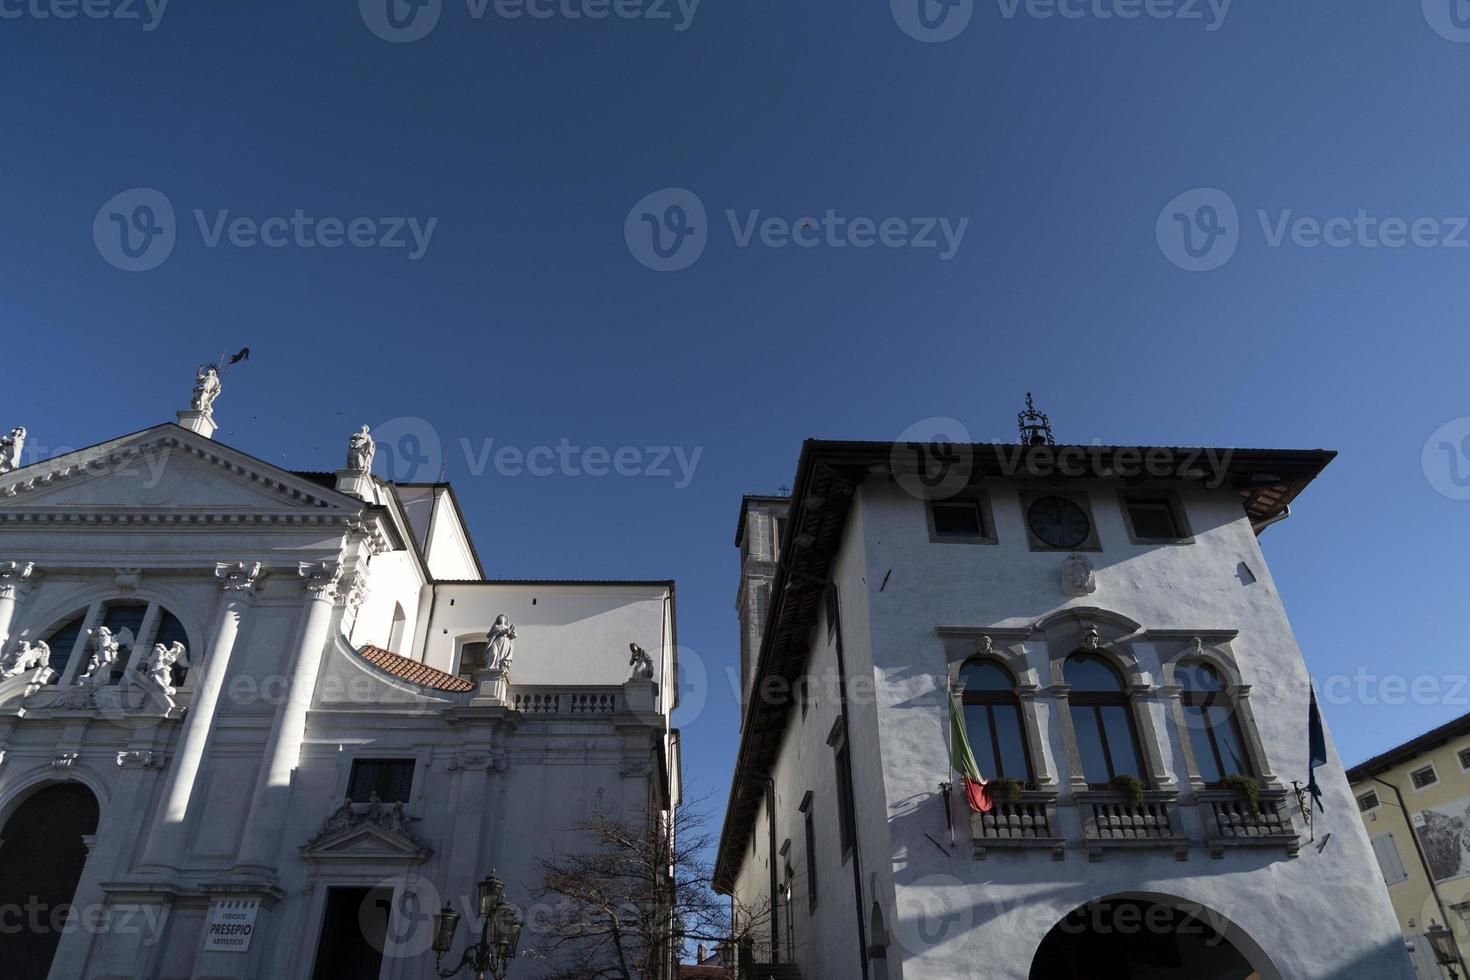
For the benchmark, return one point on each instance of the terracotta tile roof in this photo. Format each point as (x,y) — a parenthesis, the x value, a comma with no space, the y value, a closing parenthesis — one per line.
(413,671)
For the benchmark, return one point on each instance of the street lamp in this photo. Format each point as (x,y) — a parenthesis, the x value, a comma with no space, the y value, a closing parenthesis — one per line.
(1443,943)
(500,934)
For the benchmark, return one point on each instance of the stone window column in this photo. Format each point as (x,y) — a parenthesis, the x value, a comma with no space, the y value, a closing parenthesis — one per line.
(268,807)
(1139,698)
(239,582)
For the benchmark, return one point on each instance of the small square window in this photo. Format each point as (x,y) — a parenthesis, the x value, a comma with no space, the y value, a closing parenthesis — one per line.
(1424,777)
(1464,756)
(1367,801)
(958,519)
(391,779)
(1154,519)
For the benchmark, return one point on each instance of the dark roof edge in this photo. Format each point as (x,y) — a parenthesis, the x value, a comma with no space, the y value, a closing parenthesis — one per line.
(1405,751)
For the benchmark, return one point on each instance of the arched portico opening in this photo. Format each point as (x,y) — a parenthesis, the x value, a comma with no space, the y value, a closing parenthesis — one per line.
(42,851)
(1148,937)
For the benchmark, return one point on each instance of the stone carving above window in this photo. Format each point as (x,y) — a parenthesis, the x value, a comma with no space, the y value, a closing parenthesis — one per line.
(1078,577)
(359,833)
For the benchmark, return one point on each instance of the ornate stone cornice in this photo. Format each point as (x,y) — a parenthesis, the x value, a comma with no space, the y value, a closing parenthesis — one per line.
(239,576)
(14,575)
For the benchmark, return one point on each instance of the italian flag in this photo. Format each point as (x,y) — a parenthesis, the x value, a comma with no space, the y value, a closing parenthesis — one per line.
(962,761)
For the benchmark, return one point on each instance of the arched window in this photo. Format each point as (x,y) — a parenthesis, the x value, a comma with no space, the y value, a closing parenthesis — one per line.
(993,721)
(147,623)
(63,640)
(1102,719)
(472,656)
(1214,731)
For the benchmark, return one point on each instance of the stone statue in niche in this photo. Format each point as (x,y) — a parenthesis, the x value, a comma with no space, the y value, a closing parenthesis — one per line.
(502,645)
(1077,575)
(206,389)
(161,663)
(360,451)
(25,657)
(10,449)
(641,663)
(105,646)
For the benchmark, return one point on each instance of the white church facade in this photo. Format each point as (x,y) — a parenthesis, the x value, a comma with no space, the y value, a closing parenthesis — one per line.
(257,723)
(1126,677)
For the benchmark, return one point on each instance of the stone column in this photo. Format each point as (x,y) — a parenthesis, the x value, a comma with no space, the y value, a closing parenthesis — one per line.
(13,575)
(268,807)
(474,820)
(239,580)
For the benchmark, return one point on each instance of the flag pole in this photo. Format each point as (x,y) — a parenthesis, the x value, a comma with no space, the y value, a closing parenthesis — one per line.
(948,785)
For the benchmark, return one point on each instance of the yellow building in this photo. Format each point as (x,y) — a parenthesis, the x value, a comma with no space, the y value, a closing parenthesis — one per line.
(1415,803)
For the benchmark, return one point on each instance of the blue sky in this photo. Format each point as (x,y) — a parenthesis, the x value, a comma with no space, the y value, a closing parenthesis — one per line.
(527,318)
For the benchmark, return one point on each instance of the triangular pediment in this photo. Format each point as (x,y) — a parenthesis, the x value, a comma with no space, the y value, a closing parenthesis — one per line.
(365,842)
(166,468)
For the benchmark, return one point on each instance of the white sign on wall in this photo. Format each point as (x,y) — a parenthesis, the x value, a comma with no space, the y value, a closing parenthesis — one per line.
(231,924)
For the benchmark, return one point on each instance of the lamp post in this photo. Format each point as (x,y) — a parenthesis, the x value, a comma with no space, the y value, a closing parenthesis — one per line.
(1443,943)
(500,933)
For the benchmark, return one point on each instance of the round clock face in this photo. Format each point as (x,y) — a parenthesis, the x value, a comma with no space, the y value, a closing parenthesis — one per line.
(1058,522)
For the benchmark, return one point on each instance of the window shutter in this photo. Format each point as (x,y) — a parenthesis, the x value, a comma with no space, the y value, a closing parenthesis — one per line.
(1389,862)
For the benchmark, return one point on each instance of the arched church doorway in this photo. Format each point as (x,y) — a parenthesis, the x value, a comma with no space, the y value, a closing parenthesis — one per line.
(1148,938)
(41,854)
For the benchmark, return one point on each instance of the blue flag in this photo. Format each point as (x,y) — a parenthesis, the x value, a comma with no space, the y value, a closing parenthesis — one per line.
(1316,749)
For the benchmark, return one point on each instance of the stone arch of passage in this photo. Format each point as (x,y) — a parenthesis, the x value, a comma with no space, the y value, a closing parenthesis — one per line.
(43,848)
(1136,935)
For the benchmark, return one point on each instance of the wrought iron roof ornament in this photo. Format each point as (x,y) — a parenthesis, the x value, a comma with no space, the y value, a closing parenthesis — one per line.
(1035,426)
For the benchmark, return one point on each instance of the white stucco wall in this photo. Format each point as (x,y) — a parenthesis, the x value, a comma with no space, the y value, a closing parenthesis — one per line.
(566,633)
(1317,915)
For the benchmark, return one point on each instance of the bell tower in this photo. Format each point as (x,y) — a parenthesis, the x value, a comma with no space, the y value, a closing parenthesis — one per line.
(759,537)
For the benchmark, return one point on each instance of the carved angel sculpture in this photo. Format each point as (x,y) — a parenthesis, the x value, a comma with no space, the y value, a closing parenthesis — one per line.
(25,657)
(360,450)
(10,449)
(161,663)
(206,388)
(502,643)
(105,645)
